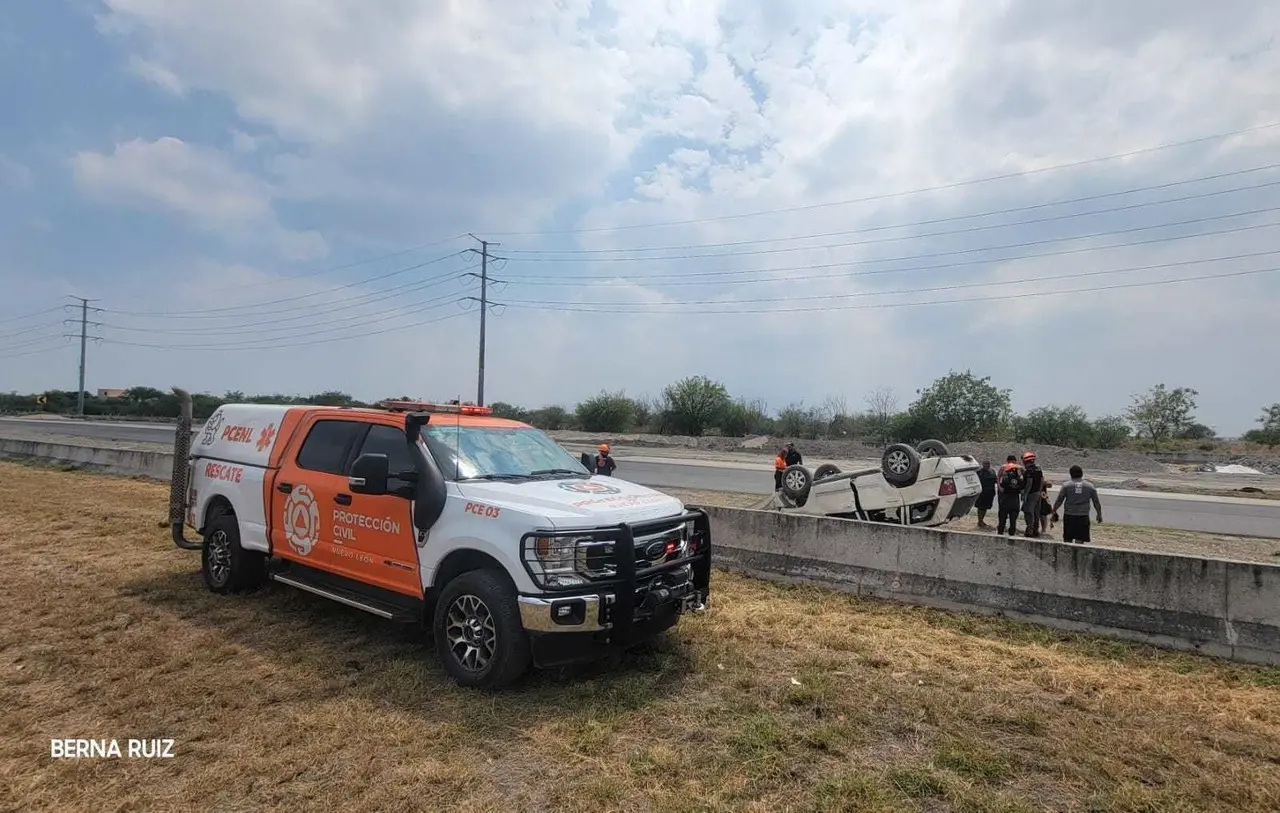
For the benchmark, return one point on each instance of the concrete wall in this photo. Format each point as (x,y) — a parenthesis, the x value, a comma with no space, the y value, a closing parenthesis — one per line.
(115,460)
(1230,609)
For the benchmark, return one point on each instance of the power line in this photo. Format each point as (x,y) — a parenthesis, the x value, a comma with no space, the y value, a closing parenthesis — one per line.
(954,218)
(891,195)
(26,330)
(6,320)
(277,346)
(84,338)
(344,287)
(398,292)
(561,281)
(357,263)
(952,287)
(484,312)
(829,246)
(883,305)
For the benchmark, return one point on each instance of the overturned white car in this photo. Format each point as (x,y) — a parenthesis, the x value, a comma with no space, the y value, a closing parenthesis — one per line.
(923,486)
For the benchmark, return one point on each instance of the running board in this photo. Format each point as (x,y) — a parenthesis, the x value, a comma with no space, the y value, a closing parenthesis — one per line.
(348,597)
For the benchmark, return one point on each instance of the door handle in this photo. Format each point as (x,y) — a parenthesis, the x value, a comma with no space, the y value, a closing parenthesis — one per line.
(284,488)
(342,499)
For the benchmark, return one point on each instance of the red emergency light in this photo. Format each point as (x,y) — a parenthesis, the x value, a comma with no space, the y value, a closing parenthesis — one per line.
(427,406)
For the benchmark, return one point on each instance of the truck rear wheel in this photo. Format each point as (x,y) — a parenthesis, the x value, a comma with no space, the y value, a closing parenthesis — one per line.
(478,633)
(227,567)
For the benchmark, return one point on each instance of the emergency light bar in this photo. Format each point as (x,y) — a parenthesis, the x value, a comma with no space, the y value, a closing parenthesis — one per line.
(427,406)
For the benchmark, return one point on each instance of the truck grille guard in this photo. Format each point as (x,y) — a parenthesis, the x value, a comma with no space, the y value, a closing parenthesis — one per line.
(178,481)
(630,578)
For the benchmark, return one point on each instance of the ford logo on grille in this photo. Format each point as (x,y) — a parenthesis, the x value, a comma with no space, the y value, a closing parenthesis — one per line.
(654,549)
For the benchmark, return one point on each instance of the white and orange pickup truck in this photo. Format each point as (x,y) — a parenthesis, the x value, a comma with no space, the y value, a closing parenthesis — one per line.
(483,529)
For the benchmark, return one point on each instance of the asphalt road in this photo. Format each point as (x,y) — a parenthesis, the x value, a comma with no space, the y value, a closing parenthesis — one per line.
(1224,515)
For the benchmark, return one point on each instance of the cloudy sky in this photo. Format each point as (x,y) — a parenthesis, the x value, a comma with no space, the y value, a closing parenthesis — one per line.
(799,199)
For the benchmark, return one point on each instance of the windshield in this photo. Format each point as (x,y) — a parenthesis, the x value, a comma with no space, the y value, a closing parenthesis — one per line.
(498,453)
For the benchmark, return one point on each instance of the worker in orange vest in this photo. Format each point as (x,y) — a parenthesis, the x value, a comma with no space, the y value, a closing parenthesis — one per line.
(779,464)
(604,461)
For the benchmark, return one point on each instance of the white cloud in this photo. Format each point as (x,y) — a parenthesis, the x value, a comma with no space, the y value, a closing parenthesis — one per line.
(388,124)
(200,184)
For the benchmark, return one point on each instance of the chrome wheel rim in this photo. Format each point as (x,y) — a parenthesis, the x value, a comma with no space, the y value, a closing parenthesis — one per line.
(471,633)
(219,557)
(898,462)
(795,480)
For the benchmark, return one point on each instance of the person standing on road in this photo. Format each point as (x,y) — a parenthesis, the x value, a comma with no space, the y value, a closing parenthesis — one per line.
(605,464)
(779,465)
(793,457)
(1033,484)
(1074,498)
(1010,495)
(987,498)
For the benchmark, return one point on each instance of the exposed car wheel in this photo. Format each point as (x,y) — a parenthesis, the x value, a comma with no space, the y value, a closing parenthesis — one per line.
(796,482)
(826,470)
(227,567)
(478,633)
(933,448)
(900,465)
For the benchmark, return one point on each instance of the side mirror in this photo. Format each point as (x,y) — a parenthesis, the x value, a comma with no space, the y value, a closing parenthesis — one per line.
(369,474)
(588,463)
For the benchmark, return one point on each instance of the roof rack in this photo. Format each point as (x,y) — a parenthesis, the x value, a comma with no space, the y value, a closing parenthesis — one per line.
(428,406)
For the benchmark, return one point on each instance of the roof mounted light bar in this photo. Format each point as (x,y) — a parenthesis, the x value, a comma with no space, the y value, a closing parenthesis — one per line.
(427,406)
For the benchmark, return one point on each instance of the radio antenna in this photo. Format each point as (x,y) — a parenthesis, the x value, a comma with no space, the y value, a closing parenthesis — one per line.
(457,443)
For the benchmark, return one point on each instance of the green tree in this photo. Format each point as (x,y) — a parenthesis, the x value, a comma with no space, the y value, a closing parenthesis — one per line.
(550,418)
(743,417)
(797,421)
(1110,432)
(1055,426)
(962,406)
(1197,431)
(693,405)
(606,412)
(501,409)
(1162,413)
(1269,433)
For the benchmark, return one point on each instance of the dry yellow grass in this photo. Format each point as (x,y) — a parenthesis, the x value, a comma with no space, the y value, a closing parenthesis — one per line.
(1130,537)
(778,699)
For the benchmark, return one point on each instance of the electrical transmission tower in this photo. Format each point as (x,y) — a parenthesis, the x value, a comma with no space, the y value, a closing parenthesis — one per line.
(483,299)
(84,340)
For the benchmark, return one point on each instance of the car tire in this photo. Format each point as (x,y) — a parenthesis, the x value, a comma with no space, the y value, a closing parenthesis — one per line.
(796,482)
(477,630)
(225,566)
(826,470)
(900,465)
(933,448)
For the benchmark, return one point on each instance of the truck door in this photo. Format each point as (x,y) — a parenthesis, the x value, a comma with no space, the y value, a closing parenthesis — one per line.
(380,528)
(307,488)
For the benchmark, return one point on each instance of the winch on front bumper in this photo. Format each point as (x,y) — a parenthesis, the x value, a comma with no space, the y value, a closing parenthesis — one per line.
(596,597)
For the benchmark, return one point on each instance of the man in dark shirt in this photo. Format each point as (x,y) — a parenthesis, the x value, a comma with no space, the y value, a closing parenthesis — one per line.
(987,477)
(1032,485)
(793,457)
(1009,496)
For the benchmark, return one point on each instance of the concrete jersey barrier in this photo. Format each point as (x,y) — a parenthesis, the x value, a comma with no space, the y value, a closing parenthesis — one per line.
(1224,608)
(121,460)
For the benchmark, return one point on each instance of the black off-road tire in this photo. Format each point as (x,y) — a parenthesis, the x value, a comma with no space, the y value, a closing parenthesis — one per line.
(900,465)
(826,470)
(796,482)
(225,566)
(935,448)
(510,657)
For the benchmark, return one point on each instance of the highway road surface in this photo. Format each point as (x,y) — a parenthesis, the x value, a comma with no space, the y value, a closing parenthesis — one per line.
(1189,512)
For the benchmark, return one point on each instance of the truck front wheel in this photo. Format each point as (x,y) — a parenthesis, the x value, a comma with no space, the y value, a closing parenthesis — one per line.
(478,632)
(227,567)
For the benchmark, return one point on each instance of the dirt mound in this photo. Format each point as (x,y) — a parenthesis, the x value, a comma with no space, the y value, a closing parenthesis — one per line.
(1058,459)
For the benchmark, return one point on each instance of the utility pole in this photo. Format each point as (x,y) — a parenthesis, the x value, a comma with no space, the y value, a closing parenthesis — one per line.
(84,340)
(484,311)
